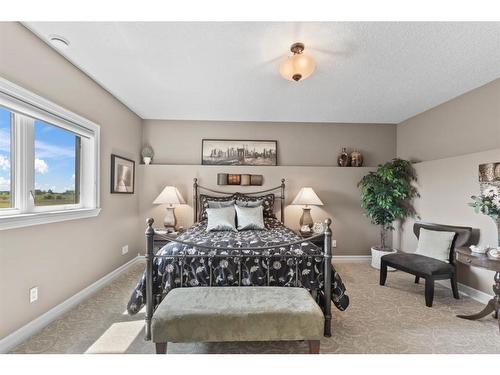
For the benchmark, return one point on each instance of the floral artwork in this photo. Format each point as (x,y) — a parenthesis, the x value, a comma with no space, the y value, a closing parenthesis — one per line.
(488,202)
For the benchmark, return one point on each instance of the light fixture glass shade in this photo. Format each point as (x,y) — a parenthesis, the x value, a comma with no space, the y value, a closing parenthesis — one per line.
(169,195)
(297,67)
(307,196)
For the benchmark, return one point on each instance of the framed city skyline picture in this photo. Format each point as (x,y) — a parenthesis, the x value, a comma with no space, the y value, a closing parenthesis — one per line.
(239,152)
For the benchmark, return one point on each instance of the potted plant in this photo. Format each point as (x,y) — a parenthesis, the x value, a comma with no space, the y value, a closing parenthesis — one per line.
(488,203)
(147,154)
(386,196)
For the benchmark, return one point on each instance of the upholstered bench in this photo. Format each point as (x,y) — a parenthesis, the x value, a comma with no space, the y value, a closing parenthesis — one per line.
(428,268)
(216,314)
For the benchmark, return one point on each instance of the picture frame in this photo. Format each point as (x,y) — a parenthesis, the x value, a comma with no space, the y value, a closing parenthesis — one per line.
(122,175)
(239,152)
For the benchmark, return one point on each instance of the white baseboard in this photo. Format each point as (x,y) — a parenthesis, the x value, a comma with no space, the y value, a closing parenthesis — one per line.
(467,291)
(351,258)
(25,332)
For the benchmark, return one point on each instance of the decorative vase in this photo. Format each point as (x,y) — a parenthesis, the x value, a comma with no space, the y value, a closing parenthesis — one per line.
(343,160)
(378,253)
(147,160)
(356,159)
(498,230)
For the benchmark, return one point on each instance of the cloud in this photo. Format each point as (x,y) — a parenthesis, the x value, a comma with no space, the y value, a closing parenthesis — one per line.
(48,151)
(41,166)
(4,163)
(4,184)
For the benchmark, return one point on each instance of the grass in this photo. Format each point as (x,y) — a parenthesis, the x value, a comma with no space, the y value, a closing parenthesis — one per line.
(42,198)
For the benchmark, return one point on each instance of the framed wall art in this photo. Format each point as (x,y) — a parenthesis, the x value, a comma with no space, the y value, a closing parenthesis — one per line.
(122,175)
(239,152)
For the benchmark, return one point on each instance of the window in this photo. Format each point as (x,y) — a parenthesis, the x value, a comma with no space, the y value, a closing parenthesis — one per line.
(49,161)
(5,158)
(57,169)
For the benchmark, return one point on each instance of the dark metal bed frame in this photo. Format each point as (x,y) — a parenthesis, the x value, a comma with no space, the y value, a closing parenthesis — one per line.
(327,254)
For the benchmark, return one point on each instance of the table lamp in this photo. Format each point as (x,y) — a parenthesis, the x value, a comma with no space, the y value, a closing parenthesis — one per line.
(307,197)
(170,196)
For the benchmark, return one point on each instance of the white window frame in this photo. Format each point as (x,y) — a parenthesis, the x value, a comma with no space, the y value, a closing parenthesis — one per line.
(31,107)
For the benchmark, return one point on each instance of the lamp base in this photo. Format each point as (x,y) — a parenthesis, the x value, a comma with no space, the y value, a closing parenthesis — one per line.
(306,218)
(170,221)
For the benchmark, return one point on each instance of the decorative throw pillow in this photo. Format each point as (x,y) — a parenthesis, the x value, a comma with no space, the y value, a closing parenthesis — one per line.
(220,204)
(221,219)
(267,202)
(204,203)
(250,217)
(435,244)
(256,203)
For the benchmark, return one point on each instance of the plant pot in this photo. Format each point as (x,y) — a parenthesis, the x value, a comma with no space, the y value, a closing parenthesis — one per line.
(147,160)
(378,253)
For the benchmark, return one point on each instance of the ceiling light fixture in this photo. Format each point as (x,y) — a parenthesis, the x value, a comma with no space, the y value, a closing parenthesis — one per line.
(58,41)
(299,66)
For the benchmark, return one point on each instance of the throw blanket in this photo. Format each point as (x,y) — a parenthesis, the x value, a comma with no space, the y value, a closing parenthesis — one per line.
(167,273)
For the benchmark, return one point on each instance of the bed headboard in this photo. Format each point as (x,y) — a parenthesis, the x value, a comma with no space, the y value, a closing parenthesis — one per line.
(279,192)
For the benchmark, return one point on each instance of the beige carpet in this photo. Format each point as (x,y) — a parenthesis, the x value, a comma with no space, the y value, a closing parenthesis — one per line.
(391,319)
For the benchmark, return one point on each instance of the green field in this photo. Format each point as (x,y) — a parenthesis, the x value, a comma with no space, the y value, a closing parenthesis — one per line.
(42,198)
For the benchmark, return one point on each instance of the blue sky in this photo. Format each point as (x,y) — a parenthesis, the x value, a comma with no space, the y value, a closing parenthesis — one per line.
(54,156)
(4,150)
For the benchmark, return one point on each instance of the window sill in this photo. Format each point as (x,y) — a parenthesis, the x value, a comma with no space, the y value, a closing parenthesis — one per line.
(26,220)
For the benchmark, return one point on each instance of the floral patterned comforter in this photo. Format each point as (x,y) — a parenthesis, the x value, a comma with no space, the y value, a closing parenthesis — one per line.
(304,272)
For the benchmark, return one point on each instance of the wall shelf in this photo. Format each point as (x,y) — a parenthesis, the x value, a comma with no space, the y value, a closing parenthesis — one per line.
(255,166)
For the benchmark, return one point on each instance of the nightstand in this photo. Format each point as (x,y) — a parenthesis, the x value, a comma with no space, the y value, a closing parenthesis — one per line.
(159,240)
(318,241)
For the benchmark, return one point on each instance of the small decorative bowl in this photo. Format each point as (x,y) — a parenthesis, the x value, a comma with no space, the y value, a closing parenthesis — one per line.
(494,253)
(478,249)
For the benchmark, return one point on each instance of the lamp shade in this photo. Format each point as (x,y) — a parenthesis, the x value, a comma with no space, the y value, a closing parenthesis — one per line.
(169,195)
(299,66)
(307,196)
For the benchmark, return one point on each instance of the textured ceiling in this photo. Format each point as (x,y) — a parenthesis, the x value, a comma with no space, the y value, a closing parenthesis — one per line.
(366,72)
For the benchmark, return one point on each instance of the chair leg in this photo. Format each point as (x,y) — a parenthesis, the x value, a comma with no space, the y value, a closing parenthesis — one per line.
(454,287)
(161,348)
(429,291)
(417,279)
(314,346)
(383,272)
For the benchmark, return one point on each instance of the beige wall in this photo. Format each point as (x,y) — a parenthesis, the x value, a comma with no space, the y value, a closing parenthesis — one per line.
(63,258)
(453,139)
(299,144)
(335,186)
(307,155)
(464,125)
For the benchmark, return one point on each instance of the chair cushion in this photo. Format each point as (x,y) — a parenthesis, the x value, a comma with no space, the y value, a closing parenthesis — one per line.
(435,244)
(212,314)
(418,263)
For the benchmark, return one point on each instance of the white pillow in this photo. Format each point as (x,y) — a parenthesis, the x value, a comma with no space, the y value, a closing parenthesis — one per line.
(435,244)
(221,219)
(250,217)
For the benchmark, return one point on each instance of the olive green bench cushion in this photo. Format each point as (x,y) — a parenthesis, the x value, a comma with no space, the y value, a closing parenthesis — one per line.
(215,314)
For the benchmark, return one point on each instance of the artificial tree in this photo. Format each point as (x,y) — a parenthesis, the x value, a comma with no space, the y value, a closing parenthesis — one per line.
(386,195)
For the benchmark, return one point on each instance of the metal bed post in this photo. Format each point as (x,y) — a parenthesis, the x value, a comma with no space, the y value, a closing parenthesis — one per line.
(150,232)
(195,200)
(328,278)
(282,197)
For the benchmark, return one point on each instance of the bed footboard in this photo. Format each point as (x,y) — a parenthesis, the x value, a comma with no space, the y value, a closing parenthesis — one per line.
(326,255)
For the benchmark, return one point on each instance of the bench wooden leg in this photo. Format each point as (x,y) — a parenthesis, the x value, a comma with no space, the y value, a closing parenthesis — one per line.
(429,291)
(417,279)
(454,287)
(314,346)
(161,348)
(383,272)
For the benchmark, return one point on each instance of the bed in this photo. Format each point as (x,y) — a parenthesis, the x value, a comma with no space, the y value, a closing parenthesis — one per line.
(275,256)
